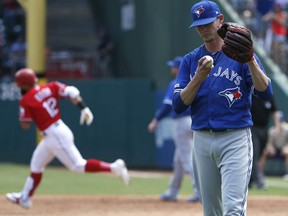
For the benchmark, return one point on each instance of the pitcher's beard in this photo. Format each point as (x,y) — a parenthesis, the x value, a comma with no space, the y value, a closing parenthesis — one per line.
(23,91)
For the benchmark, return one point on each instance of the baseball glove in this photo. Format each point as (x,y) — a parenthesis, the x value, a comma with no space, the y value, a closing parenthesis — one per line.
(238,44)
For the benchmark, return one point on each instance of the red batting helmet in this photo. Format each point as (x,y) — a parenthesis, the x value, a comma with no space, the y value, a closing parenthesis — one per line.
(25,76)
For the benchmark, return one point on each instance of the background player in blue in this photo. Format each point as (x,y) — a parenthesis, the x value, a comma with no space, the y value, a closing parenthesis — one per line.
(182,136)
(220,101)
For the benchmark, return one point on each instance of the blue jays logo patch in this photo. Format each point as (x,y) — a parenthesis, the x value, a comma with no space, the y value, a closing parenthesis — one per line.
(198,11)
(231,94)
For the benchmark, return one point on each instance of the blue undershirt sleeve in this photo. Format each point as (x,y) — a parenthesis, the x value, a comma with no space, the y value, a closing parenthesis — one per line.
(178,105)
(265,95)
(163,111)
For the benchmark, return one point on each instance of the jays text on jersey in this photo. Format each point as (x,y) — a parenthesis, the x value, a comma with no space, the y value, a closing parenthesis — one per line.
(224,98)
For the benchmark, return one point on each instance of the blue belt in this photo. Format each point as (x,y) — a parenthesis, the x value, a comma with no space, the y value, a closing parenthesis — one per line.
(217,130)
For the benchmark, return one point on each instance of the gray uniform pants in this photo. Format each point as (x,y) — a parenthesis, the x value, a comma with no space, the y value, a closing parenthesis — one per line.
(182,161)
(222,163)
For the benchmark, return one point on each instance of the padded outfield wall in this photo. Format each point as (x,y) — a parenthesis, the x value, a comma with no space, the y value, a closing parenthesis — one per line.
(121,108)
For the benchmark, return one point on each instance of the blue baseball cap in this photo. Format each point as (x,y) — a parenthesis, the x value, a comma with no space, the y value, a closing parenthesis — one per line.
(204,12)
(175,62)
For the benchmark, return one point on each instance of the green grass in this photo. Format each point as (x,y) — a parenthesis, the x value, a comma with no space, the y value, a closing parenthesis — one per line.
(275,186)
(61,181)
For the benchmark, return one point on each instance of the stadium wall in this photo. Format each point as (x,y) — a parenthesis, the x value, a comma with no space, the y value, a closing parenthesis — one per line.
(122,109)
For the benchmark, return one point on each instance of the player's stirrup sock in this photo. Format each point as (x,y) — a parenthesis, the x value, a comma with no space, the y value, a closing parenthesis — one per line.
(31,184)
(93,165)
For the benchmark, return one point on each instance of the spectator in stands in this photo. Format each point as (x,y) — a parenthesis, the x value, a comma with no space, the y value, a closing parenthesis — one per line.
(13,18)
(257,8)
(18,53)
(105,53)
(284,3)
(264,6)
(250,18)
(261,112)
(276,33)
(277,145)
(238,5)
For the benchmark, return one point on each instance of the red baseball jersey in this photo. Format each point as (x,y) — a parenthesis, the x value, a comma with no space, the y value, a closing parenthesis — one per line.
(41,104)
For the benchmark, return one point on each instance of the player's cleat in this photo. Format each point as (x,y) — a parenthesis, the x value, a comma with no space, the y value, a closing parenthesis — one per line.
(193,199)
(261,187)
(18,199)
(119,168)
(285,177)
(168,197)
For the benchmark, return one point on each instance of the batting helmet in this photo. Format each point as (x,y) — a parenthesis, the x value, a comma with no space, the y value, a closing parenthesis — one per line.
(25,76)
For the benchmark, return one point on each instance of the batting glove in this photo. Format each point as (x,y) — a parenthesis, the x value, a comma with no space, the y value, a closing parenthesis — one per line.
(86,116)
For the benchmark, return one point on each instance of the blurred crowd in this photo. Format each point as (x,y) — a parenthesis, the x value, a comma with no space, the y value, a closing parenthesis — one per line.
(267,19)
(12,38)
(63,63)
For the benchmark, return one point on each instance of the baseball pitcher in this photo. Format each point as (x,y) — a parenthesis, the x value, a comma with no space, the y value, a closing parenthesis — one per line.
(220,100)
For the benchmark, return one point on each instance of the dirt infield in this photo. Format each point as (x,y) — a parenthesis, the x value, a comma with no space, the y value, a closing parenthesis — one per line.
(131,206)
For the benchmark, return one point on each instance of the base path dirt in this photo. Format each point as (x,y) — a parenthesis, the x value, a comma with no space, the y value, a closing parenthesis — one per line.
(44,205)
